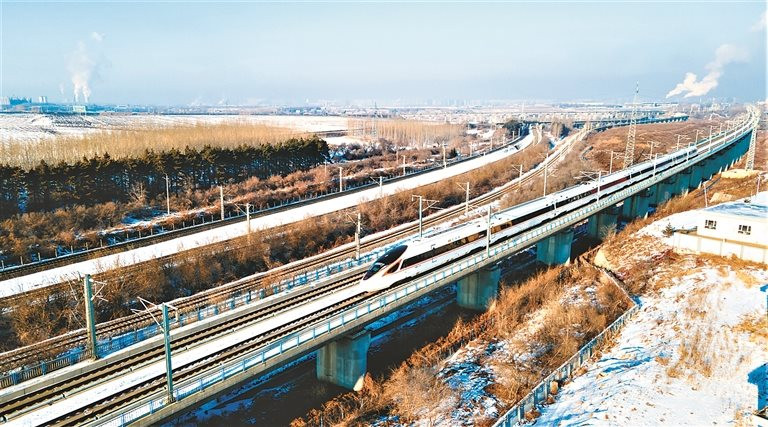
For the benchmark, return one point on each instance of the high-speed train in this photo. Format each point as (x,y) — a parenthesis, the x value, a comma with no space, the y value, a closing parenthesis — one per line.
(404,262)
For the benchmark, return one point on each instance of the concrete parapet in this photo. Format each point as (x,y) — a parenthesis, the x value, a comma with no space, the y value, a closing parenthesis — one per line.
(344,362)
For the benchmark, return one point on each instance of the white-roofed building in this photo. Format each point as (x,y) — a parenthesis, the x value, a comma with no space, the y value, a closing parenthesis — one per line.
(735,228)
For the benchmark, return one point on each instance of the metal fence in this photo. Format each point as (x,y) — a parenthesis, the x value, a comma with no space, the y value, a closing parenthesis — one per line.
(452,272)
(111,344)
(542,390)
(132,236)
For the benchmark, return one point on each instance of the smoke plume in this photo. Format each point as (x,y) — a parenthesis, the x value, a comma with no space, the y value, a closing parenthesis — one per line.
(692,86)
(84,65)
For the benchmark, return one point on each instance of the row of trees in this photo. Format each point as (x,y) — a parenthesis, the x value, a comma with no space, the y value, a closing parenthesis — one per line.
(102,178)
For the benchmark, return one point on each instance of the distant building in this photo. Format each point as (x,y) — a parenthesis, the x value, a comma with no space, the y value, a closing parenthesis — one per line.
(736,228)
(42,99)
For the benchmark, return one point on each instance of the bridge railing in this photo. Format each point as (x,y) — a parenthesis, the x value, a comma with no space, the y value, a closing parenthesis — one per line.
(324,330)
(540,393)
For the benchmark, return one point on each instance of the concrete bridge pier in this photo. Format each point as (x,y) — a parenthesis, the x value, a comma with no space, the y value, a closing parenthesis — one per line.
(478,290)
(344,362)
(555,249)
(600,223)
(683,181)
(637,205)
(694,180)
(665,190)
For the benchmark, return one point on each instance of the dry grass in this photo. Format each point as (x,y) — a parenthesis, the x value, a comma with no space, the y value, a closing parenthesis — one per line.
(123,144)
(665,134)
(408,132)
(756,326)
(531,315)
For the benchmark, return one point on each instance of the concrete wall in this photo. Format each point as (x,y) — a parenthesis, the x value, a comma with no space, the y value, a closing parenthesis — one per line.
(698,243)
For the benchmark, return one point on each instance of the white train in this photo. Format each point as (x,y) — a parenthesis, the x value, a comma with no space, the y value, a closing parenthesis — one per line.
(405,262)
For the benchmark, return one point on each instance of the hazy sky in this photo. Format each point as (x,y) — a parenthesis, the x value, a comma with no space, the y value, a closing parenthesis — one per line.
(246,52)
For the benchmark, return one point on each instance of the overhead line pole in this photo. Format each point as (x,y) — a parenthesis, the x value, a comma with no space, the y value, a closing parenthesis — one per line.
(221,200)
(90,315)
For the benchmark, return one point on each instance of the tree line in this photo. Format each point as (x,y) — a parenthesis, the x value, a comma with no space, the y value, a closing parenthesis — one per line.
(102,178)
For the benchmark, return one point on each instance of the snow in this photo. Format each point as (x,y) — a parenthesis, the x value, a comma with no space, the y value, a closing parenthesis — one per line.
(56,275)
(683,359)
(35,127)
(180,358)
(740,209)
(689,220)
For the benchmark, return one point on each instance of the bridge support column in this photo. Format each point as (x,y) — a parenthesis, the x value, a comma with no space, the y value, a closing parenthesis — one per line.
(695,179)
(478,290)
(665,190)
(636,206)
(555,249)
(344,362)
(602,222)
(683,181)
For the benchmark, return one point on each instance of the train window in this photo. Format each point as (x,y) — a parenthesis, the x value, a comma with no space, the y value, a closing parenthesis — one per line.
(710,224)
(388,258)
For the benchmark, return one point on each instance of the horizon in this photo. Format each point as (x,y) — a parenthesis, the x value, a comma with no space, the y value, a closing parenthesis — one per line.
(249,54)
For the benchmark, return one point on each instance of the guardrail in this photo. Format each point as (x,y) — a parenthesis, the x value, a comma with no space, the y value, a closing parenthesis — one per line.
(540,393)
(389,301)
(118,342)
(8,271)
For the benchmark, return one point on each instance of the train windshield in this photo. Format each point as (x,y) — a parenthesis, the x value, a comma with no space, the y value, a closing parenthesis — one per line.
(388,258)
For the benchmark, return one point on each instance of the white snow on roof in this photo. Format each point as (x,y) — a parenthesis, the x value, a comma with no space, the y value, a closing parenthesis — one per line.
(755,208)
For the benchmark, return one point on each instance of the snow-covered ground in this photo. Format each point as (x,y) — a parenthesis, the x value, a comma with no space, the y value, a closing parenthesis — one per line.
(33,127)
(694,354)
(56,275)
(184,357)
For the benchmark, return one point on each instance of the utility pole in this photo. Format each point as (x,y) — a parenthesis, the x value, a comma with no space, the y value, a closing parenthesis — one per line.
(653,144)
(167,196)
(465,187)
(381,186)
(341,179)
(697,137)
(403,164)
(488,234)
(677,146)
(629,151)
(357,236)
(420,213)
(248,218)
(545,177)
(709,146)
(168,364)
(445,164)
(599,178)
(90,315)
(221,200)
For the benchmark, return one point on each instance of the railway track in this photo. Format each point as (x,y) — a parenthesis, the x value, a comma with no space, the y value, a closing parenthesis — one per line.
(12,408)
(37,352)
(29,268)
(158,383)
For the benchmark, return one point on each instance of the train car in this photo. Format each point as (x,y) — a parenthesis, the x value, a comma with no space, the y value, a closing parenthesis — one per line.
(420,256)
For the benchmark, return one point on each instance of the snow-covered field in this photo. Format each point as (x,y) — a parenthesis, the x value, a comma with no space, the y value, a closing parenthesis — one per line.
(33,127)
(56,275)
(694,354)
